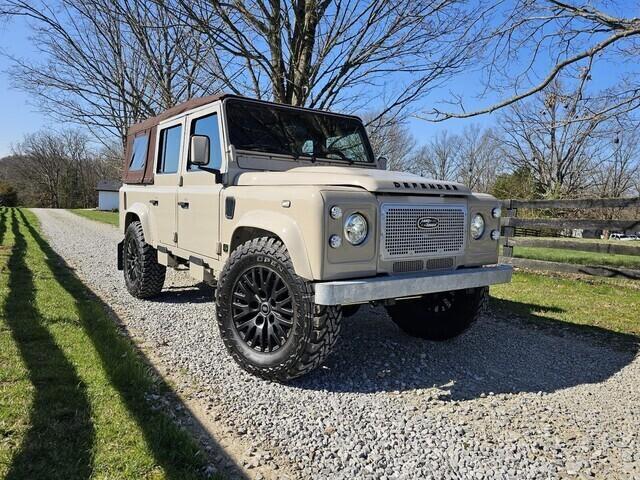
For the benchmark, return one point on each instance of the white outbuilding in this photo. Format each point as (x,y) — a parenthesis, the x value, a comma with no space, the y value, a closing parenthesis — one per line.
(108,194)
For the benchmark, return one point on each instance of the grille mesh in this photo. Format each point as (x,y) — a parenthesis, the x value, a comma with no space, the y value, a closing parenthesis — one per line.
(439,263)
(403,238)
(408,266)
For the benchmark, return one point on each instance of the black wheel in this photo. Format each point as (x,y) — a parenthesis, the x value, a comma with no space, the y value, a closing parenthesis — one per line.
(143,275)
(440,316)
(266,314)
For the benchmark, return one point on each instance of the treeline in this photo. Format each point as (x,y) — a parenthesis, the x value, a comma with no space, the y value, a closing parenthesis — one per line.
(104,64)
(542,147)
(57,170)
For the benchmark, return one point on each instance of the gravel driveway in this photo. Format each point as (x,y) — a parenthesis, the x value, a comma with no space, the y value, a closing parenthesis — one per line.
(508,399)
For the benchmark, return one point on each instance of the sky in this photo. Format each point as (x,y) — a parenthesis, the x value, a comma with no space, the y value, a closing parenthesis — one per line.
(19,114)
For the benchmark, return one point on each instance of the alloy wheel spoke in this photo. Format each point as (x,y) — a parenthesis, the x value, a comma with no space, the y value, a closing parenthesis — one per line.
(262,309)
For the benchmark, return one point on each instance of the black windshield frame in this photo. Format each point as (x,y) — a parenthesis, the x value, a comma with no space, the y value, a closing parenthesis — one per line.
(304,134)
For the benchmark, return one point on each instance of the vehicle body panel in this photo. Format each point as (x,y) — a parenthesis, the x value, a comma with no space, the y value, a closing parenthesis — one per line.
(199,217)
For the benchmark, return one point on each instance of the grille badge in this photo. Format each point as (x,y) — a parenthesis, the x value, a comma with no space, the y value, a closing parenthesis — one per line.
(426,223)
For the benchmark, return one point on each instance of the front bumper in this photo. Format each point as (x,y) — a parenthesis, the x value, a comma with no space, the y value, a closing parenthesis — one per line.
(362,290)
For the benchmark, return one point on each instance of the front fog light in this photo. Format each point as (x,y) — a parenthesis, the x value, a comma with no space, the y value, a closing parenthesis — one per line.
(496,212)
(335,241)
(356,228)
(335,212)
(477,226)
(495,234)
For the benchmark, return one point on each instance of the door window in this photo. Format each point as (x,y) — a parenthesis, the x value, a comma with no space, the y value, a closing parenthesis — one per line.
(208,126)
(169,151)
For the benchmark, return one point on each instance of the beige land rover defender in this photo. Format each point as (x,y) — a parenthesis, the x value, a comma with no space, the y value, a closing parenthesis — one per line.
(289,215)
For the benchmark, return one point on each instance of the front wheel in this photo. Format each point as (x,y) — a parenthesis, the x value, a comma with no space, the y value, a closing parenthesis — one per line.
(266,314)
(440,316)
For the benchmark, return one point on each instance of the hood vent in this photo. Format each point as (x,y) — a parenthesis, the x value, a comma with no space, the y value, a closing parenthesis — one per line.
(426,186)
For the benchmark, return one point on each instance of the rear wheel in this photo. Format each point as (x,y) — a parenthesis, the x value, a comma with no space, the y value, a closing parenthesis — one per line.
(143,275)
(266,314)
(440,316)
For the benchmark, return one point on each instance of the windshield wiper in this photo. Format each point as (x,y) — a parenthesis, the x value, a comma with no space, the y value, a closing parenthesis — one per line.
(340,153)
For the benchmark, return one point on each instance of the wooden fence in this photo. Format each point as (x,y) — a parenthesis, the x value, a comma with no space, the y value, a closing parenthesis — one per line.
(511,223)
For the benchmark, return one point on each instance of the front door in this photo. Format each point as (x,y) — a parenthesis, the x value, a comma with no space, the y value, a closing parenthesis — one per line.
(199,195)
(166,179)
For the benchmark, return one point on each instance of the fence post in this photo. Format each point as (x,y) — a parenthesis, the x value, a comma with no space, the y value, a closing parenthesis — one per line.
(507,248)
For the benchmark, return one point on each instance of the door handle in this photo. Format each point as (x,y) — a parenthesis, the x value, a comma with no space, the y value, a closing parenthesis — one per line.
(184,204)
(153,202)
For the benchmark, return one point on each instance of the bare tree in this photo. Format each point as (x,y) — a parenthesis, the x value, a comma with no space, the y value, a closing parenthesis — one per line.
(617,172)
(108,64)
(340,54)
(58,170)
(391,140)
(440,158)
(480,160)
(541,136)
(529,44)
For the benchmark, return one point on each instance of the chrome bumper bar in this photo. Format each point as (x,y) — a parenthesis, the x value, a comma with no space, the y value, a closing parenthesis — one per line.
(362,290)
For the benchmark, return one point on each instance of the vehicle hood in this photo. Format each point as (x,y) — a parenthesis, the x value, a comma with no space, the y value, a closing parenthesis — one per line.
(371,180)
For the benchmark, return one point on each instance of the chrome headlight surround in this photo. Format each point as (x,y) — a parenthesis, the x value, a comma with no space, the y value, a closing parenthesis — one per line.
(477,226)
(356,229)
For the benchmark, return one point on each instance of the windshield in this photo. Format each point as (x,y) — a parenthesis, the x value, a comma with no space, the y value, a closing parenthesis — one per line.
(268,128)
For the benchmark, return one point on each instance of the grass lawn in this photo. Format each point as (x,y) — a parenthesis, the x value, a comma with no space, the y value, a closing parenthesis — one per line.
(581,240)
(601,303)
(73,390)
(577,257)
(97,215)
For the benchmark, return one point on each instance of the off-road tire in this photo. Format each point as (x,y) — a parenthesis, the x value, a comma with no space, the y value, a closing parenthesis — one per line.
(151,274)
(440,316)
(315,328)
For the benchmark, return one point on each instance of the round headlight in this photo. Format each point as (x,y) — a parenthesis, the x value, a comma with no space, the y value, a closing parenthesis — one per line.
(477,226)
(335,212)
(496,212)
(356,228)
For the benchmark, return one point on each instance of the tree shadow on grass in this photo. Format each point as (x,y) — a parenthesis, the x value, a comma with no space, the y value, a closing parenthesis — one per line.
(130,374)
(60,438)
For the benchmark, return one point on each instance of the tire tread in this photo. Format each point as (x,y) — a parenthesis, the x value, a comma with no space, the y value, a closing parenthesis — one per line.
(325,320)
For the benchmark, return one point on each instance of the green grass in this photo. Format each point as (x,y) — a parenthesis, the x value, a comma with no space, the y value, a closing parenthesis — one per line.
(581,240)
(97,215)
(600,303)
(73,390)
(577,257)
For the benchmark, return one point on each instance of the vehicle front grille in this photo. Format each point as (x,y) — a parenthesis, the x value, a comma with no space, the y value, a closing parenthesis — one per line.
(408,266)
(404,266)
(424,230)
(439,263)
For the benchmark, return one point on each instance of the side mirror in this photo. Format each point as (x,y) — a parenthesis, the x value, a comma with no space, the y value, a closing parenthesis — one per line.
(199,150)
(382,163)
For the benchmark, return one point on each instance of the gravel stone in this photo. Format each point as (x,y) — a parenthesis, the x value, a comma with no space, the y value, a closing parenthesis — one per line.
(508,399)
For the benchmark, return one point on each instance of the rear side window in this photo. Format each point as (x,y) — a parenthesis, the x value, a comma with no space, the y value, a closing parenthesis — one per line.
(169,151)
(139,153)
(208,126)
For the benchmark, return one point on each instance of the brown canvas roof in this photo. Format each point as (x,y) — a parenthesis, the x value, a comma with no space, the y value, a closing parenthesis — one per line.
(177,110)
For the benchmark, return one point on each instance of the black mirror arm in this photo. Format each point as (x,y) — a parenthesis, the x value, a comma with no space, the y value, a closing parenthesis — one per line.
(214,171)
